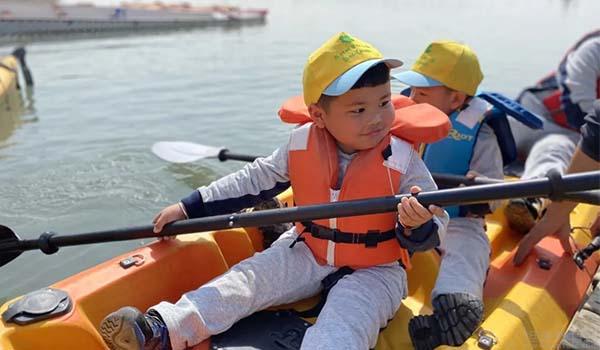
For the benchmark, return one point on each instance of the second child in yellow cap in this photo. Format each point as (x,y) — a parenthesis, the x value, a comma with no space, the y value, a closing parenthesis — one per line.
(445,63)
(447,72)
(447,76)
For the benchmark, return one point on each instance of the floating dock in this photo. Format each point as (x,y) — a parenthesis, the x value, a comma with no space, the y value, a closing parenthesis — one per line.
(38,17)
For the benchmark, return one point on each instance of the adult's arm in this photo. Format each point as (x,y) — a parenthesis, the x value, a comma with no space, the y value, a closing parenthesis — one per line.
(556,219)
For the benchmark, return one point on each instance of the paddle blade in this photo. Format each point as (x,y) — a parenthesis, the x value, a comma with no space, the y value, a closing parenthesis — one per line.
(7,236)
(184,152)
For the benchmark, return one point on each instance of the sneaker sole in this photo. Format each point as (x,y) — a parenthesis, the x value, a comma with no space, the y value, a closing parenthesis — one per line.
(519,217)
(118,335)
(421,332)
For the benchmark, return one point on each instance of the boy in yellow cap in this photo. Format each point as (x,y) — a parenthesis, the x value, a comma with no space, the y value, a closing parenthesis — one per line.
(447,76)
(337,156)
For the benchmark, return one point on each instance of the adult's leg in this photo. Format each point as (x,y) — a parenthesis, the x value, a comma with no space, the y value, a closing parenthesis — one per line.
(524,136)
(553,151)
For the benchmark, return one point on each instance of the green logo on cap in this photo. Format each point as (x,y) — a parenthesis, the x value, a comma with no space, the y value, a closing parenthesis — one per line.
(426,57)
(352,48)
(345,38)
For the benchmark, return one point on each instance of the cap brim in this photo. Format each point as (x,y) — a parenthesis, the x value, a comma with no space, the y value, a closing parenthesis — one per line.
(344,82)
(412,78)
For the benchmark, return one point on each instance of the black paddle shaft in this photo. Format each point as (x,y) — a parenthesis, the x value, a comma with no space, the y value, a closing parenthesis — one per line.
(442,180)
(450,181)
(553,186)
(224,155)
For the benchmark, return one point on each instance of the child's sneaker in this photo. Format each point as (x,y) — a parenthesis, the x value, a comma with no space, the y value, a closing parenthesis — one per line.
(522,213)
(129,329)
(455,317)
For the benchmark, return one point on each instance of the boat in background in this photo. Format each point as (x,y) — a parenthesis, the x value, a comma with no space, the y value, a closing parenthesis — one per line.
(12,67)
(38,17)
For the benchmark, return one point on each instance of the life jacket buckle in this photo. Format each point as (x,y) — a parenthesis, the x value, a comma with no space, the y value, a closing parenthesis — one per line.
(330,234)
(372,238)
(334,235)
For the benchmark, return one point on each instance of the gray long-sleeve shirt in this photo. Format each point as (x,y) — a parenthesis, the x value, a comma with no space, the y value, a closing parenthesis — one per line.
(582,73)
(578,76)
(487,157)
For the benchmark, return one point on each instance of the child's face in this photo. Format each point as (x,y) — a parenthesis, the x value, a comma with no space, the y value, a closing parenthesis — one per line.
(441,97)
(358,119)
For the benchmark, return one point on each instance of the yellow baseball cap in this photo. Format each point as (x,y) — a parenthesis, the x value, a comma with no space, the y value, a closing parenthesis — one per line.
(447,63)
(337,65)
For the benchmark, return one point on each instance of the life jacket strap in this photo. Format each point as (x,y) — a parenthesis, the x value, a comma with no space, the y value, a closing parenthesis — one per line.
(370,239)
(328,283)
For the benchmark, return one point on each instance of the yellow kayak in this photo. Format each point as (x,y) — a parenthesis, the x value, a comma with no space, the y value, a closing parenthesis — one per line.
(526,307)
(10,98)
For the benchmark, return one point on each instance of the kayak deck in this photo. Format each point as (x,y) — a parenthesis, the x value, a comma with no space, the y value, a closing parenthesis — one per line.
(526,307)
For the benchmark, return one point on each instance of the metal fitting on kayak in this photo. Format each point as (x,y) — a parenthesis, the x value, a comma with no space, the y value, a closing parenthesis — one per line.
(582,255)
(486,339)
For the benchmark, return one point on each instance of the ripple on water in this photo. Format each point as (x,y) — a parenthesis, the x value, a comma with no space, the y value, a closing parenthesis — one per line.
(120,177)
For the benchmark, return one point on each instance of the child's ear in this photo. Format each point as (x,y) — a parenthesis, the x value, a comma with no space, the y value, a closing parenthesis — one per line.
(458,100)
(317,114)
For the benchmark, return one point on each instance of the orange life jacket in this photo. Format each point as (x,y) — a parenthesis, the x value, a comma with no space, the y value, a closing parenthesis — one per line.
(555,107)
(313,170)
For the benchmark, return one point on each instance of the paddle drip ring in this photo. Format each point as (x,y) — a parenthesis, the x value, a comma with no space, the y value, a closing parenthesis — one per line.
(45,245)
(557,185)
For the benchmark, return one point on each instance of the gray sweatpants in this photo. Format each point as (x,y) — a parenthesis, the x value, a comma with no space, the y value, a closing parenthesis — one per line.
(465,258)
(549,148)
(357,307)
